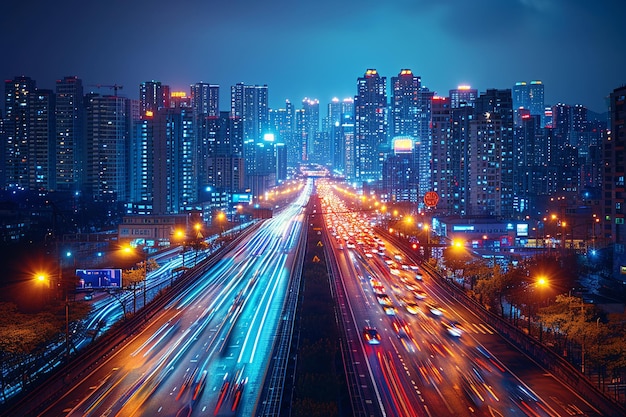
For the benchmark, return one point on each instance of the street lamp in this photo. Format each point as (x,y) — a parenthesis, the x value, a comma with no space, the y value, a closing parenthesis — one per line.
(181,236)
(42,279)
(426,229)
(220,217)
(130,250)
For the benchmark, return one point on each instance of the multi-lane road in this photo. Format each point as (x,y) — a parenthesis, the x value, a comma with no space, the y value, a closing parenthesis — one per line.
(412,349)
(425,354)
(207,351)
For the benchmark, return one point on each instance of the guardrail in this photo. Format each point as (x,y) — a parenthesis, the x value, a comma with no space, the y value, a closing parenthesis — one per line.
(544,356)
(35,401)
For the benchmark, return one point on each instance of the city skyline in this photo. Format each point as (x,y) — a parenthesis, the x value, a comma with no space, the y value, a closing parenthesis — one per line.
(319,50)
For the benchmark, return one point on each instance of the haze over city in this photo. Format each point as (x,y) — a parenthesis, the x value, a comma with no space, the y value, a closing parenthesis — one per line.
(318,49)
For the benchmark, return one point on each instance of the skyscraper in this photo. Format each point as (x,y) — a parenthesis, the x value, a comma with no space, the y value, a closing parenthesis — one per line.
(205,99)
(282,123)
(205,108)
(370,125)
(153,96)
(250,105)
(308,127)
(614,210)
(107,148)
(400,173)
(18,94)
(405,104)
(70,135)
(41,156)
(346,140)
(175,161)
(530,97)
(450,155)
(486,195)
(536,102)
(332,125)
(495,109)
(463,95)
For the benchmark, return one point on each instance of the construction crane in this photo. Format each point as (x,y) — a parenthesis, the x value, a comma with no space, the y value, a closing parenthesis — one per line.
(114,87)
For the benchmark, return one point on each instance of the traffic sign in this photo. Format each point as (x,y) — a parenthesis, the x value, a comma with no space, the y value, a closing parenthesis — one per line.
(431,198)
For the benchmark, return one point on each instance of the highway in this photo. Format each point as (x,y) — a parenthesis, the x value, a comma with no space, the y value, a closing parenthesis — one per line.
(207,352)
(425,354)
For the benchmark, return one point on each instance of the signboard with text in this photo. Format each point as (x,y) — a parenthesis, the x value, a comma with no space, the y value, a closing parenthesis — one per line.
(99,278)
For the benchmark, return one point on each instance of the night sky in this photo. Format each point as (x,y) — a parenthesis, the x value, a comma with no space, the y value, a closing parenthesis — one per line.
(318,48)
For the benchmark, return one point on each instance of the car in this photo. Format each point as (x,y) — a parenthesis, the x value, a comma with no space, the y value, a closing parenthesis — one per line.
(371,335)
(419,277)
(401,327)
(452,328)
(412,308)
(384,300)
(420,294)
(390,310)
(88,297)
(435,310)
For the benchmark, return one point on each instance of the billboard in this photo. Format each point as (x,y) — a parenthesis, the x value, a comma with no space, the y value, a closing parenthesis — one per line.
(99,278)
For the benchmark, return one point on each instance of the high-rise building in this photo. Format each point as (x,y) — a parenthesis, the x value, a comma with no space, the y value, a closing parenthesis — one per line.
(450,155)
(410,116)
(175,161)
(463,95)
(527,168)
(308,127)
(562,124)
(529,96)
(494,110)
(346,140)
(399,172)
(370,126)
(224,165)
(405,104)
(442,172)
(250,105)
(331,124)
(3,141)
(153,96)
(536,101)
(205,108)
(423,143)
(485,170)
(41,155)
(282,123)
(614,209)
(205,99)
(18,94)
(107,148)
(70,148)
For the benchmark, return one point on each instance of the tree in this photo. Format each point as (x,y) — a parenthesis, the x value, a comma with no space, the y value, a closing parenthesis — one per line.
(456,259)
(494,284)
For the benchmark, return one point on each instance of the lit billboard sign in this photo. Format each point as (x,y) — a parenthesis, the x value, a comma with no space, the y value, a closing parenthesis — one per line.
(522,229)
(99,278)
(462,228)
(242,198)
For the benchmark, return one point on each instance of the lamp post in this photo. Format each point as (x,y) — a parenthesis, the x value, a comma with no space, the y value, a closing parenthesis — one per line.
(426,229)
(181,236)
(130,250)
(43,279)
(540,283)
(220,217)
